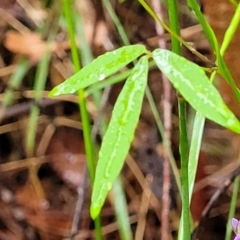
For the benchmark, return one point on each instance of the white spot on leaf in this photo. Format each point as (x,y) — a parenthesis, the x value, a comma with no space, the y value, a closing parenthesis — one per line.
(101,76)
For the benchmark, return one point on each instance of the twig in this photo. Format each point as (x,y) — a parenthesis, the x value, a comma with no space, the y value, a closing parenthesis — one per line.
(78,207)
(167,110)
(25,108)
(144,208)
(7,17)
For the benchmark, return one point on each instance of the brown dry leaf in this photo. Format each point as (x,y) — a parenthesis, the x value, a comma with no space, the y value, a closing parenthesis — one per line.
(55,222)
(66,155)
(29,199)
(31,45)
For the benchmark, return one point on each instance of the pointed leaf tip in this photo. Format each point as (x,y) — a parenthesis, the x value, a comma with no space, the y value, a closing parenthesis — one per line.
(94,211)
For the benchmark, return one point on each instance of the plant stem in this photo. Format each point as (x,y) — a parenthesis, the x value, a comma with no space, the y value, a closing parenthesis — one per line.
(183,145)
(167,122)
(174,25)
(183,148)
(175,34)
(117,22)
(233,205)
(82,104)
(230,32)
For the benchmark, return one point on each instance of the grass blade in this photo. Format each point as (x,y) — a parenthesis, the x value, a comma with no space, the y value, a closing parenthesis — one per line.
(120,206)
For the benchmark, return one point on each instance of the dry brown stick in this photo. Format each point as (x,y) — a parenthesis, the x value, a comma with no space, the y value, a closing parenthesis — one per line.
(167,112)
(25,108)
(79,204)
(7,70)
(190,34)
(154,203)
(146,196)
(12,21)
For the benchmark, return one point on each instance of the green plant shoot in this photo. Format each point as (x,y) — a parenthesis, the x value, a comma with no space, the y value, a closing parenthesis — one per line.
(117,140)
(191,81)
(188,78)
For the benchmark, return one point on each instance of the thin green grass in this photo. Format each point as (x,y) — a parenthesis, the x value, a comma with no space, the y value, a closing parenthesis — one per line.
(183,144)
(229,34)
(67,8)
(39,86)
(232,208)
(231,30)
(183,148)
(14,83)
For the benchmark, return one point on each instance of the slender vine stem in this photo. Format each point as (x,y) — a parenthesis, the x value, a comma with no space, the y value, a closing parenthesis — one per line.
(175,34)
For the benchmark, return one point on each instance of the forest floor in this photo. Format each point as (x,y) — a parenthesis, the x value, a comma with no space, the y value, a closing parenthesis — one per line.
(42,156)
